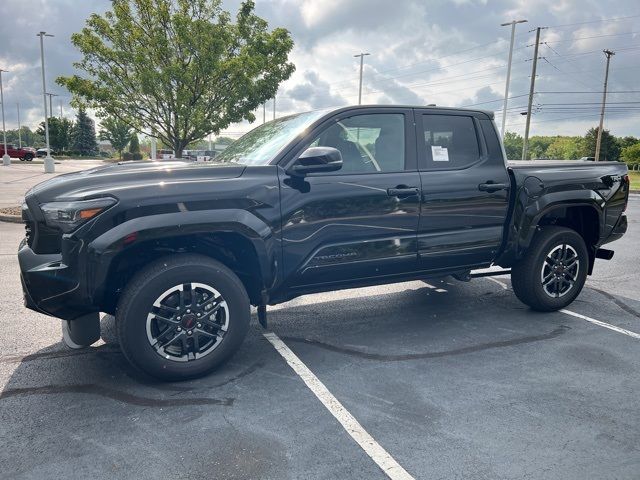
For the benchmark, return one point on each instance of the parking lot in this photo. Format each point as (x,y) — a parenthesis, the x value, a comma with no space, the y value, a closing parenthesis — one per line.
(450,379)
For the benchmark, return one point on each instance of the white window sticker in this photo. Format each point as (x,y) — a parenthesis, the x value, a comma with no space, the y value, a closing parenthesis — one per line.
(439,154)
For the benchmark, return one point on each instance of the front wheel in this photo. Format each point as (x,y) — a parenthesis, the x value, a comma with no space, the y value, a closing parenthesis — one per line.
(553,271)
(182,316)
(28,157)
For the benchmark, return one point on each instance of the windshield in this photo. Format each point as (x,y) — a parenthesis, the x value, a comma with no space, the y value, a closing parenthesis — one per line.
(262,144)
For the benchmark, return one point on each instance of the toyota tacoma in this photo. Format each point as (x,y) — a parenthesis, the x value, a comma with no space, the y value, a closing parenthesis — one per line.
(313,202)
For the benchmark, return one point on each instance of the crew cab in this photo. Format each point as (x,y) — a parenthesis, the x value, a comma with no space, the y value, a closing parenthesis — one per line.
(313,202)
(24,154)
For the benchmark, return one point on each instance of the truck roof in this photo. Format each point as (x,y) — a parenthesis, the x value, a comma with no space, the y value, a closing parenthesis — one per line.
(488,113)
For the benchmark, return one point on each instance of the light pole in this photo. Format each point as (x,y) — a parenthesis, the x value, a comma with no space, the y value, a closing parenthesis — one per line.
(19,132)
(513,24)
(361,55)
(608,53)
(6,159)
(49,165)
(51,95)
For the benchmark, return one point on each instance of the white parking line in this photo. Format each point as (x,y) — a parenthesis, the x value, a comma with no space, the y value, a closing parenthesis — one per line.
(372,448)
(602,324)
(624,331)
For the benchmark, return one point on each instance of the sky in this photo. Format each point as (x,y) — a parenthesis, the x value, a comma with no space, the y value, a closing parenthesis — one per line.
(449,53)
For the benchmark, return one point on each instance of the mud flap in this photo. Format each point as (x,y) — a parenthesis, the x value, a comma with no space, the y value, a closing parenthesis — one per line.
(82,331)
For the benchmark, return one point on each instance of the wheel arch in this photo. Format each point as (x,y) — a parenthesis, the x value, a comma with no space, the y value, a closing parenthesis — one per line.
(585,218)
(246,247)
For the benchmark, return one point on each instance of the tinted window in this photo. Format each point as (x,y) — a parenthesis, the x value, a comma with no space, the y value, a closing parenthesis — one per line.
(450,141)
(368,143)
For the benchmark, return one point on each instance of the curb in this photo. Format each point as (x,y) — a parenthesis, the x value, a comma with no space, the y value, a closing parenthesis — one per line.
(10,218)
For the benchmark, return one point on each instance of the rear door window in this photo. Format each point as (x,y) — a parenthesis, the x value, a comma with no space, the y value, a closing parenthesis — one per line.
(450,141)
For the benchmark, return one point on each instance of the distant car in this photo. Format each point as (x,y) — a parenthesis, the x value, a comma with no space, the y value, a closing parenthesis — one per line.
(24,154)
(206,155)
(165,154)
(588,159)
(42,152)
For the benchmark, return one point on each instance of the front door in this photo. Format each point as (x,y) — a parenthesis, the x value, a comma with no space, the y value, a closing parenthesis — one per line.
(359,222)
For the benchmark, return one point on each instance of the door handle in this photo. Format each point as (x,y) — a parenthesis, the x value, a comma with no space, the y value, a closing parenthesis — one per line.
(402,192)
(493,187)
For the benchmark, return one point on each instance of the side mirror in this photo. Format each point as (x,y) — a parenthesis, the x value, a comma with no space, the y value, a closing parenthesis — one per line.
(316,159)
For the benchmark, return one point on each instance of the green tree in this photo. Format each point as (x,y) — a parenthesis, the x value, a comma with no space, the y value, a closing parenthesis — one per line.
(565,148)
(513,145)
(83,135)
(627,141)
(134,148)
(538,146)
(179,69)
(116,132)
(631,154)
(28,137)
(609,148)
(60,132)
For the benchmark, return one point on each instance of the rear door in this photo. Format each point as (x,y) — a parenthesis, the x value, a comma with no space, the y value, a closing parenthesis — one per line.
(465,190)
(359,222)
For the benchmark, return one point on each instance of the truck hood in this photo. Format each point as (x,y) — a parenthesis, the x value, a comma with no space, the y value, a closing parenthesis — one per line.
(123,176)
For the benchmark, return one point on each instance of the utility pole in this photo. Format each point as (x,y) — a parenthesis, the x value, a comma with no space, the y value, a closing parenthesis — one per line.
(608,54)
(19,132)
(49,165)
(274,107)
(361,55)
(60,110)
(51,95)
(525,145)
(6,159)
(513,24)
(264,112)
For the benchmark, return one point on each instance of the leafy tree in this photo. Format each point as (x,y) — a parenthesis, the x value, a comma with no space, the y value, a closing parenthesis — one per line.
(631,154)
(538,146)
(60,132)
(565,148)
(609,148)
(627,141)
(134,144)
(513,145)
(83,135)
(29,138)
(224,140)
(179,69)
(116,132)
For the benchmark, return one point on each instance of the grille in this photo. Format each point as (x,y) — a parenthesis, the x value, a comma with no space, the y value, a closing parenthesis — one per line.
(29,227)
(40,237)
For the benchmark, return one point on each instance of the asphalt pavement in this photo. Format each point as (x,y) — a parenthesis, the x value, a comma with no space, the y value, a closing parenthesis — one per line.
(452,380)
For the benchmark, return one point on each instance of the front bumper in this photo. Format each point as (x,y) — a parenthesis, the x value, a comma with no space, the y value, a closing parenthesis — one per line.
(51,287)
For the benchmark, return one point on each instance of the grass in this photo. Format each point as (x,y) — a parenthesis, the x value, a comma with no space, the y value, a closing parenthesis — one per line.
(635,180)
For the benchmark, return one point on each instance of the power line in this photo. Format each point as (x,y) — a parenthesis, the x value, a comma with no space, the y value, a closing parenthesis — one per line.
(614,19)
(593,36)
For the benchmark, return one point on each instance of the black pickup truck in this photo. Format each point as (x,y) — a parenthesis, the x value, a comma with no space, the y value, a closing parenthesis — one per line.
(312,202)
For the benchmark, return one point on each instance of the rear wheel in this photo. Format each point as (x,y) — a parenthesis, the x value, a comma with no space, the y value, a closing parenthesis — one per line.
(553,271)
(182,317)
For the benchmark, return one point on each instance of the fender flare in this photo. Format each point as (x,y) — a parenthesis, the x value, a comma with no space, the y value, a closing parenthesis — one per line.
(103,250)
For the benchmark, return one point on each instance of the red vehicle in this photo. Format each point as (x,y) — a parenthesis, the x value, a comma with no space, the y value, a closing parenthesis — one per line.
(24,154)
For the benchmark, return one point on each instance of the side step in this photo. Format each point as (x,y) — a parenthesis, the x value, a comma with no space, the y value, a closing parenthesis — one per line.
(494,273)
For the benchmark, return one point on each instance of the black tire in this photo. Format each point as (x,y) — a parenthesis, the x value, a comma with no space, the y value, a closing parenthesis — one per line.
(28,157)
(135,307)
(566,282)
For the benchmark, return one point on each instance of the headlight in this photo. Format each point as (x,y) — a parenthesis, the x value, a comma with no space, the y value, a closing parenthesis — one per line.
(68,216)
